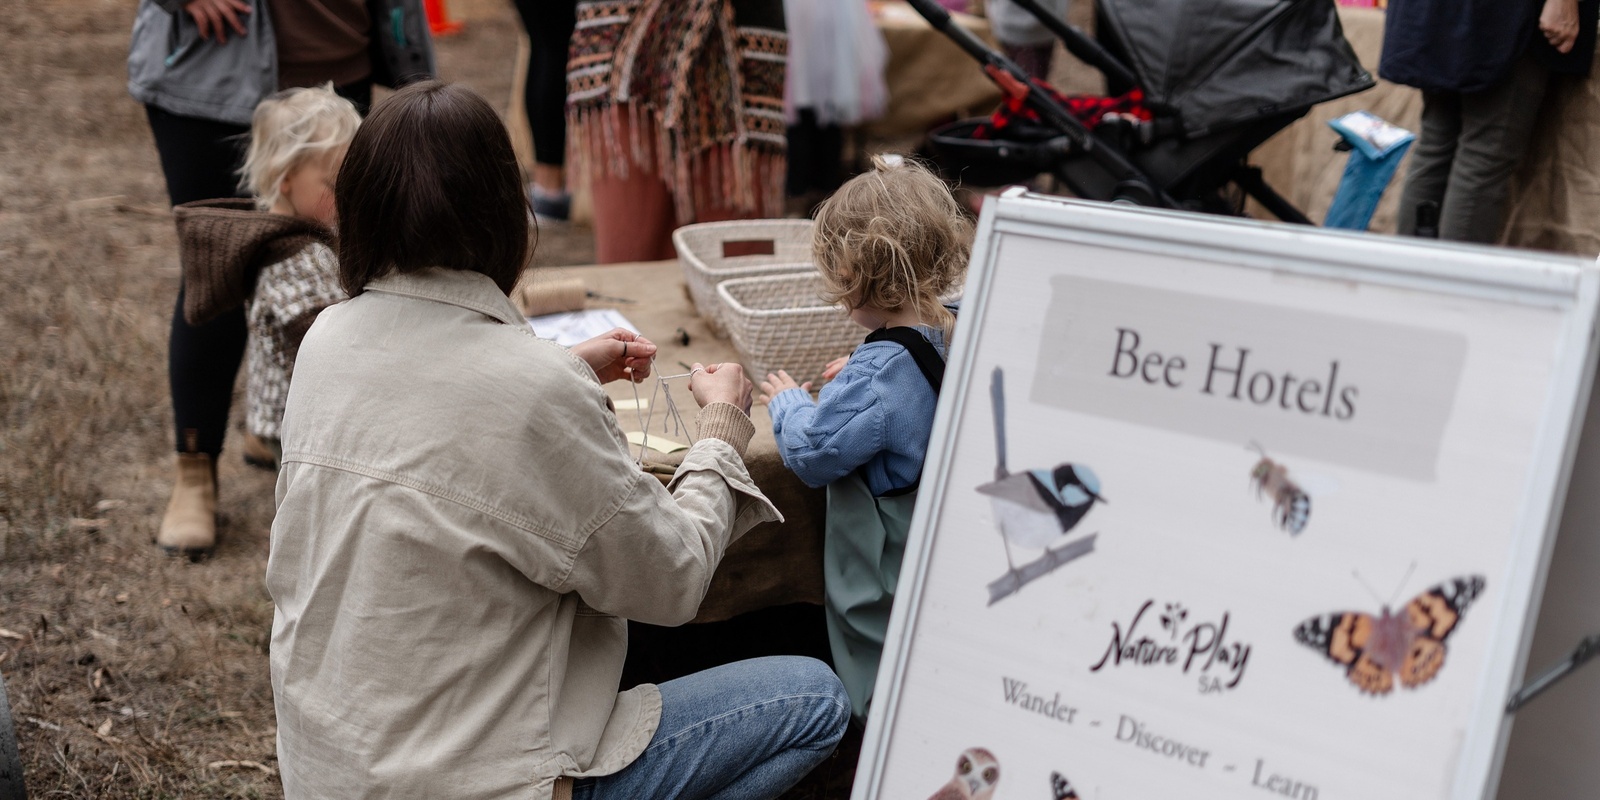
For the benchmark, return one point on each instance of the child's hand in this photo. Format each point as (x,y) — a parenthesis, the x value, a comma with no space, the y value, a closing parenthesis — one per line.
(779,382)
(833,369)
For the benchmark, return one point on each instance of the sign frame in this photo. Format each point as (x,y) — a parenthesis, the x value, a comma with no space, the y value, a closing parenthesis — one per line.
(1525,278)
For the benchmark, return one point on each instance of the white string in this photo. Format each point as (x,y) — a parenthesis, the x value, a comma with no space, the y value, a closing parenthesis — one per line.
(643,422)
(672,422)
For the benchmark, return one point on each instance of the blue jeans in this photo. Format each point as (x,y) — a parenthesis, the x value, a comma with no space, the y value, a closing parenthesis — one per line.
(750,729)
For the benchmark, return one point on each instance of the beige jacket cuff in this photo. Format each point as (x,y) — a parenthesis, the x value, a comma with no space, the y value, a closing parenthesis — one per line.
(726,422)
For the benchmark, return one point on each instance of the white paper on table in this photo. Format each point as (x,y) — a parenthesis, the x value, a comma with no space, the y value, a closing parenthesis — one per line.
(571,327)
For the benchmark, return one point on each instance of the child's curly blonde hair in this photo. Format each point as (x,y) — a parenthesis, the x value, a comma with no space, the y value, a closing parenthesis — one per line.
(893,238)
(289,129)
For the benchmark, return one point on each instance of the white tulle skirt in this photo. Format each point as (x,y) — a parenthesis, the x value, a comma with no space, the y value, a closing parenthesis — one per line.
(836,60)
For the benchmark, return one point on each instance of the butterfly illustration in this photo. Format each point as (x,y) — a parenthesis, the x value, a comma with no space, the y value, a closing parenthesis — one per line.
(1409,644)
(1061,788)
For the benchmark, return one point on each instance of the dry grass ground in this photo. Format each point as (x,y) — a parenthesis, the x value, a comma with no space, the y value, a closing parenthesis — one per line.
(131,675)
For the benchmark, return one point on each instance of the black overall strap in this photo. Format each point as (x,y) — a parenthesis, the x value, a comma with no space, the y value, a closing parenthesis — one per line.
(926,355)
(928,361)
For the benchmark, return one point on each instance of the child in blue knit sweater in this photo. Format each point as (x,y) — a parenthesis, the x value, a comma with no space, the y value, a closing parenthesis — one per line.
(889,244)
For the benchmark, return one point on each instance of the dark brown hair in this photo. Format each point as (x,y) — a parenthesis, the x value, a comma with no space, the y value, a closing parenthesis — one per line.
(430,180)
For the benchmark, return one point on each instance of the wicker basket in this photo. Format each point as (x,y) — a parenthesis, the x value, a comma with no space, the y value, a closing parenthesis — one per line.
(704,249)
(779,322)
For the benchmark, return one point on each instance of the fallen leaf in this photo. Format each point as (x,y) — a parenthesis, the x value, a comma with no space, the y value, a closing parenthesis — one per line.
(105,727)
(109,505)
(6,633)
(104,637)
(122,597)
(82,524)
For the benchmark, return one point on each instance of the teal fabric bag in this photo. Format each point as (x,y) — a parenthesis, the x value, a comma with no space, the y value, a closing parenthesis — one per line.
(861,555)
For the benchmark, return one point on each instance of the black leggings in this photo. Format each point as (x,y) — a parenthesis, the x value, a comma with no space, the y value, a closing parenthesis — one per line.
(549,24)
(200,159)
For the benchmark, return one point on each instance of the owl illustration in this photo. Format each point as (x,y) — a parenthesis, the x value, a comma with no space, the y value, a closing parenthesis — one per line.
(977,772)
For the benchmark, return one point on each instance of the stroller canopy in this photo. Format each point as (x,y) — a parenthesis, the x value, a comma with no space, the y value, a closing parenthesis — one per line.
(1221,63)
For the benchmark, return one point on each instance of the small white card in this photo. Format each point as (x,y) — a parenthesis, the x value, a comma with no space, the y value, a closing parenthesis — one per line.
(660,444)
(572,327)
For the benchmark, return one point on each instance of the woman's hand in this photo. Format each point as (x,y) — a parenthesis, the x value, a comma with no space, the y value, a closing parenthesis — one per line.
(1559,24)
(777,382)
(834,368)
(210,16)
(720,383)
(614,353)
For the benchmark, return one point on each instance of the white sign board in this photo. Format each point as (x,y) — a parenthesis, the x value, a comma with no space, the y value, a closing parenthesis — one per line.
(1221,509)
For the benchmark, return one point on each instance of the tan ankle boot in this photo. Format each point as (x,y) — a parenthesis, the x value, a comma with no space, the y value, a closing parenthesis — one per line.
(190,525)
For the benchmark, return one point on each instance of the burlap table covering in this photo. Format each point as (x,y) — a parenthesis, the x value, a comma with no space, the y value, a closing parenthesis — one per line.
(775,563)
(929,78)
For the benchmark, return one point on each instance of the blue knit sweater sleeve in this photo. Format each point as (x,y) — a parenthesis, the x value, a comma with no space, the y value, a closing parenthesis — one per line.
(822,442)
(875,417)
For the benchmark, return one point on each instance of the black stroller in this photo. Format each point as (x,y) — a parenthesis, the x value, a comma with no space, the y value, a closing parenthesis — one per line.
(1209,81)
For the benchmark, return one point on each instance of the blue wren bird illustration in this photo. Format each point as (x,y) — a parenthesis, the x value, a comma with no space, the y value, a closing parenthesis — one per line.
(1036,508)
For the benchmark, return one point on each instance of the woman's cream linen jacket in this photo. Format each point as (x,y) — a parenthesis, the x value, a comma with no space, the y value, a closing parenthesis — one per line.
(460,535)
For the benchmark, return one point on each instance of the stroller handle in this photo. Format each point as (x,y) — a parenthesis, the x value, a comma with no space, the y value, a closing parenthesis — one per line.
(939,18)
(1080,45)
(1016,83)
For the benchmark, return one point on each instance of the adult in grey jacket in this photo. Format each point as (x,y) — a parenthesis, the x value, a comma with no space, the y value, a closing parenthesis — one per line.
(461,532)
(200,67)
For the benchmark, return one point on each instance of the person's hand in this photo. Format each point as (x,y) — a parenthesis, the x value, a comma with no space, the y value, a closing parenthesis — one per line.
(779,382)
(214,17)
(1559,24)
(617,353)
(720,383)
(834,368)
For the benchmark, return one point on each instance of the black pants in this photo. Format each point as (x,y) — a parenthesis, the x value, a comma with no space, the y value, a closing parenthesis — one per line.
(549,24)
(200,159)
(815,151)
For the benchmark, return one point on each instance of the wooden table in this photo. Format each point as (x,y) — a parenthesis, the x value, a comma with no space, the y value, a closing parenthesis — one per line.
(775,563)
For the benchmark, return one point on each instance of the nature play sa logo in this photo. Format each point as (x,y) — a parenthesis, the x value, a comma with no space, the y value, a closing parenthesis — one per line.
(1171,640)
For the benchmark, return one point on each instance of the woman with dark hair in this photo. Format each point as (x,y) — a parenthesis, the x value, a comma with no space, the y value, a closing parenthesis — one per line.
(461,532)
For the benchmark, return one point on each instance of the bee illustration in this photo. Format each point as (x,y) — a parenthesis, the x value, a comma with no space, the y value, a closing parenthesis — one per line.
(1291,506)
